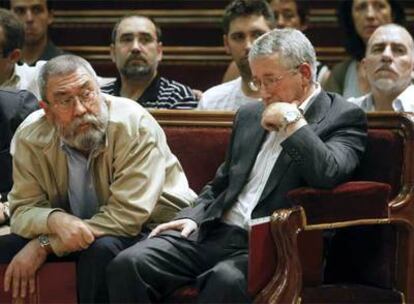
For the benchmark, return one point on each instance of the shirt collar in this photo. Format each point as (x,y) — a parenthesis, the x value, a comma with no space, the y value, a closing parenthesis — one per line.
(403,102)
(150,93)
(304,106)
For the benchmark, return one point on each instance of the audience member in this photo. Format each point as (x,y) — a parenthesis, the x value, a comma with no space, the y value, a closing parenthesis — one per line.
(273,150)
(291,14)
(359,19)
(37,16)
(243,22)
(14,107)
(13,75)
(136,50)
(388,64)
(91,173)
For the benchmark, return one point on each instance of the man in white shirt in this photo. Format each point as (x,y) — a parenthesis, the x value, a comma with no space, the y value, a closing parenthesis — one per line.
(389,62)
(13,75)
(274,148)
(243,22)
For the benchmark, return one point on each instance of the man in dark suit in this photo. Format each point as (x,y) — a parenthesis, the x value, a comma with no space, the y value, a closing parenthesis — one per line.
(274,148)
(14,107)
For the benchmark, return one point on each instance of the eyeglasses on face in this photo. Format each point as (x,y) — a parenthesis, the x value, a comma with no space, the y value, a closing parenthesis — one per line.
(87,98)
(268,81)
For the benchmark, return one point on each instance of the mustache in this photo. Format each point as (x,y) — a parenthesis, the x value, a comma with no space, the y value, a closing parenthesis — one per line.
(385,67)
(135,57)
(86,119)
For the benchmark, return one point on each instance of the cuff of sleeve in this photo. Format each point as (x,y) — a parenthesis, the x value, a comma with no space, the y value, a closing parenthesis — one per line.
(56,245)
(40,227)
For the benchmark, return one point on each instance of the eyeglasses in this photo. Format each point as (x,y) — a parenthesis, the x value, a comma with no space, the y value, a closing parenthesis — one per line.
(268,81)
(87,97)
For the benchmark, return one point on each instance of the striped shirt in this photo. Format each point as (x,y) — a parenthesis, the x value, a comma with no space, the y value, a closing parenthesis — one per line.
(162,93)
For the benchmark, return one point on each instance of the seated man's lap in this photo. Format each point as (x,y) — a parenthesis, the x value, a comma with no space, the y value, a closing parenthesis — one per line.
(10,244)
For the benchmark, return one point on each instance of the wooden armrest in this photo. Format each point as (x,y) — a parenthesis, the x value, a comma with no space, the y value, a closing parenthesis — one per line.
(348,204)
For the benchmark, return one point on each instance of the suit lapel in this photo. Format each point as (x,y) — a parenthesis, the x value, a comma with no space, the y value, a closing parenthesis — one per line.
(314,115)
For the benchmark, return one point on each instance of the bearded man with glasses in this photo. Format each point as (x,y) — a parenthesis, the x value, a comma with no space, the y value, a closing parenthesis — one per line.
(92,173)
(274,148)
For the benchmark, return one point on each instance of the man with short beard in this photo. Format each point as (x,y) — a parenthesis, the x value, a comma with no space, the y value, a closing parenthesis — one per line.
(92,173)
(243,22)
(136,49)
(388,63)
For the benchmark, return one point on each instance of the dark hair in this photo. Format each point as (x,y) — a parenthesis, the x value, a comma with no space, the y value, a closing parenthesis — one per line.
(239,8)
(13,30)
(354,44)
(49,4)
(303,10)
(115,28)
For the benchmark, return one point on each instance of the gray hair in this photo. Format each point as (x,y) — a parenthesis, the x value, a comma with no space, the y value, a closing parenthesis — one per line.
(62,65)
(292,46)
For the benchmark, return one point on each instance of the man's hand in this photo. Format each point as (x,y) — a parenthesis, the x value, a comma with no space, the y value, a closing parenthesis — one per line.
(186,226)
(20,274)
(273,118)
(73,232)
(197,93)
(3,218)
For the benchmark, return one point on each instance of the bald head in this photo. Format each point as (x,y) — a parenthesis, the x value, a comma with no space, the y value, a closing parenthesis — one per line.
(390,33)
(389,59)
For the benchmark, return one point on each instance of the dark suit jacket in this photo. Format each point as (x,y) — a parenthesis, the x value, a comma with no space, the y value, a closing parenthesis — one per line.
(14,107)
(322,154)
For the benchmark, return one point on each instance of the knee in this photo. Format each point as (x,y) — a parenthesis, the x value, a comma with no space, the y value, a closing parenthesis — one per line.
(127,262)
(121,265)
(225,274)
(100,252)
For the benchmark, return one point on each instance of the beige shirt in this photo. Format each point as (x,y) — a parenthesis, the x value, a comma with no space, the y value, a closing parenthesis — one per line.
(137,179)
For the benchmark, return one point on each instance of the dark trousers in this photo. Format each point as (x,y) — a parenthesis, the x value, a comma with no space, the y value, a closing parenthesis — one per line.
(91,263)
(154,268)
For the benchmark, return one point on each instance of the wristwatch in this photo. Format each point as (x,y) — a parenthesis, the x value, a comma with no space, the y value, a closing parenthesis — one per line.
(290,117)
(44,243)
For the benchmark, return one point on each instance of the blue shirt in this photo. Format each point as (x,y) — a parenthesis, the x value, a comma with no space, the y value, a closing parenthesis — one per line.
(81,189)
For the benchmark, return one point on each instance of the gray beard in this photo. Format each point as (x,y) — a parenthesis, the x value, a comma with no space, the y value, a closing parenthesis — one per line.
(90,139)
(136,72)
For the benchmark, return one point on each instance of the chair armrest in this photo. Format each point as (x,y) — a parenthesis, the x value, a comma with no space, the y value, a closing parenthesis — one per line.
(349,204)
(351,201)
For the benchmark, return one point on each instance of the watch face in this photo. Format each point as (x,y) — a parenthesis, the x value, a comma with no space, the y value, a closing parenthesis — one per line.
(44,240)
(291,116)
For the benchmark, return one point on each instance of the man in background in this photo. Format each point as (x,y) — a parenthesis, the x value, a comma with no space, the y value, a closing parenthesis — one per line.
(288,14)
(389,63)
(136,49)
(13,75)
(37,16)
(243,22)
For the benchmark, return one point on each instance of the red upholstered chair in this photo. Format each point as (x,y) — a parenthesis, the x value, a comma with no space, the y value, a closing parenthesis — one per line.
(371,255)
(55,283)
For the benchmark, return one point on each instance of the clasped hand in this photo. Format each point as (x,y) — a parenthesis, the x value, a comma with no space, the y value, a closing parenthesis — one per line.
(273,118)
(74,233)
